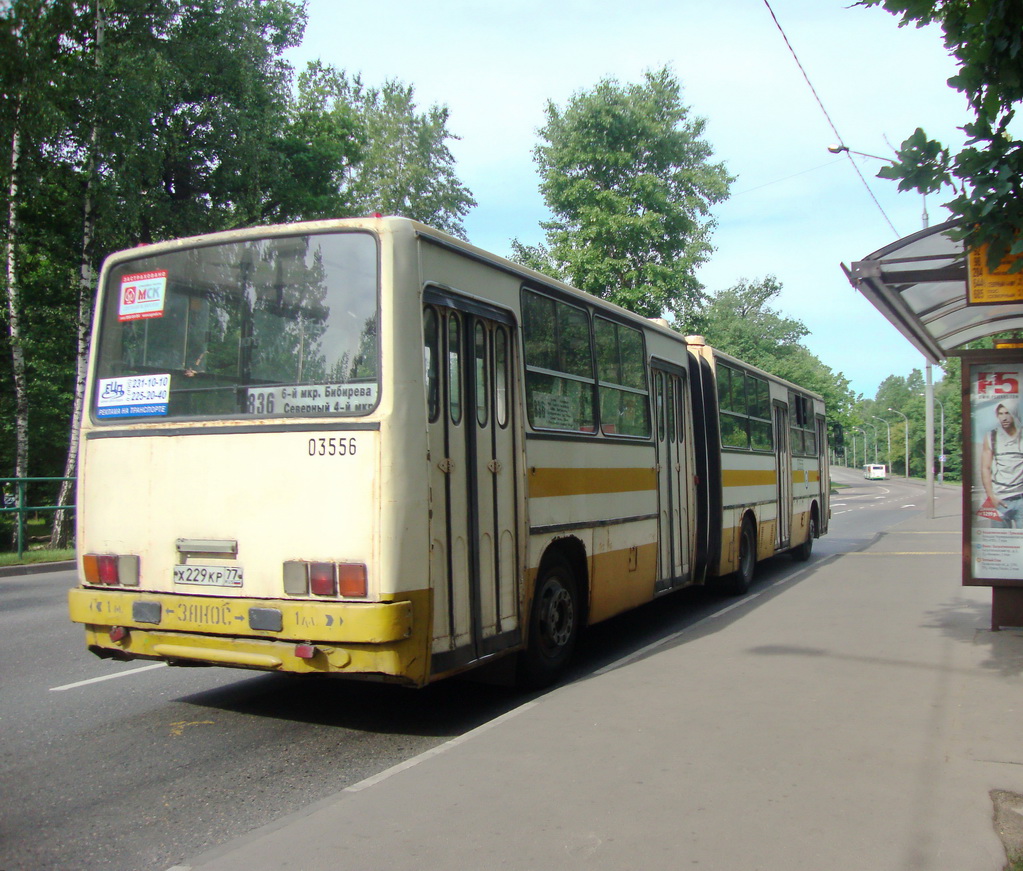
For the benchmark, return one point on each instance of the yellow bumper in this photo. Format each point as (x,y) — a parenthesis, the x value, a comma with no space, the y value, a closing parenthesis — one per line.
(384,638)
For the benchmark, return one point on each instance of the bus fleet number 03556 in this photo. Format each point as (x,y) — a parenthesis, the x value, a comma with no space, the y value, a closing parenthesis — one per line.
(332,446)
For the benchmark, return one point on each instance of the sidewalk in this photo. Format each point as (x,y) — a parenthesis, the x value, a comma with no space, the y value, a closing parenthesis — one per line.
(852,717)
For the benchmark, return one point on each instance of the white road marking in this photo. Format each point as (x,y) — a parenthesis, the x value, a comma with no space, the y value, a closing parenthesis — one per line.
(129,673)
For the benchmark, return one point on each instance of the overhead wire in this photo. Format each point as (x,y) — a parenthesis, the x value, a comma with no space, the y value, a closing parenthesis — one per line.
(834,129)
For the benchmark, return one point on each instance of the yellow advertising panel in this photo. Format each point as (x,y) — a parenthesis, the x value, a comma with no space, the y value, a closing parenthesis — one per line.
(986,287)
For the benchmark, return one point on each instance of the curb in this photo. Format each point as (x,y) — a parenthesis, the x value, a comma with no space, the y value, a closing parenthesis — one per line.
(36,568)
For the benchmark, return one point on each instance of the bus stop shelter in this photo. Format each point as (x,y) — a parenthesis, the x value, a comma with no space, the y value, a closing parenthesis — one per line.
(941,297)
(919,283)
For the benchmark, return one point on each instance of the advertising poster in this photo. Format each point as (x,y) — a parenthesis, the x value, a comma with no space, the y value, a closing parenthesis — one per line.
(136,396)
(142,295)
(995,522)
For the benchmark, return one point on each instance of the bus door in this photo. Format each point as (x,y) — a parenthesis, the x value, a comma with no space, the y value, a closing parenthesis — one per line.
(783,461)
(673,477)
(469,356)
(823,474)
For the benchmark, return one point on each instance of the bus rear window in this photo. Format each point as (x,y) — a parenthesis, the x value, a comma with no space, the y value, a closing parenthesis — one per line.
(276,327)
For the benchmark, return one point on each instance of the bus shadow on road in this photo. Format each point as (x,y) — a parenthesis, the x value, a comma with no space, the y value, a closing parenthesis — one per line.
(455,705)
(444,709)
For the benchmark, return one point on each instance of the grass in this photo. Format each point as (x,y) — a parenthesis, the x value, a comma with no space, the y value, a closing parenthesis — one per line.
(37,536)
(36,556)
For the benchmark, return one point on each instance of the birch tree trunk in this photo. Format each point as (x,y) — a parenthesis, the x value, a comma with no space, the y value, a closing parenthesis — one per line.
(14,309)
(62,528)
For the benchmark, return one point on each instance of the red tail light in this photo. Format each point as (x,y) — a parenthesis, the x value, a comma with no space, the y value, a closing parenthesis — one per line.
(322,579)
(107,569)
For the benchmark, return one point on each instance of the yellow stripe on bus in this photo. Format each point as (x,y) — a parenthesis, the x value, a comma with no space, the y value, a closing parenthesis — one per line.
(589,482)
(764,477)
(748,477)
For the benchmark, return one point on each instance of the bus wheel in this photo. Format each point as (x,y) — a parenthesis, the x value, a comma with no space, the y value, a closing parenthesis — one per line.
(553,626)
(739,582)
(802,553)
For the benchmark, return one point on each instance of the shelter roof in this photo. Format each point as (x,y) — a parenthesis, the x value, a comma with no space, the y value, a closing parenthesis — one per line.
(919,284)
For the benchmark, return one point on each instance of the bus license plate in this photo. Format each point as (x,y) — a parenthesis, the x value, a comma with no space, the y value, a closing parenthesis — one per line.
(209,576)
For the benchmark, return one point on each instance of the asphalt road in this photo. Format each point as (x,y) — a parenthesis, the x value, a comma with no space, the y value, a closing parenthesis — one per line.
(137,766)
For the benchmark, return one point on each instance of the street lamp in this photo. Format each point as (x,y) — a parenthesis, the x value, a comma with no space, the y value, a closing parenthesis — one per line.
(888,456)
(845,149)
(900,414)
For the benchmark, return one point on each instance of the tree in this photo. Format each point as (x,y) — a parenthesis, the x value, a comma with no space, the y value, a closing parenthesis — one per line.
(986,38)
(741,322)
(407,168)
(182,115)
(397,161)
(33,65)
(627,175)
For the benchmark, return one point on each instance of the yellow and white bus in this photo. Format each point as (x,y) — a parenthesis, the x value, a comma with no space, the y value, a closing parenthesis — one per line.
(367,448)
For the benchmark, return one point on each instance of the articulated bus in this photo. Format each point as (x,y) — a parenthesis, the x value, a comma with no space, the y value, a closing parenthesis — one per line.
(364,447)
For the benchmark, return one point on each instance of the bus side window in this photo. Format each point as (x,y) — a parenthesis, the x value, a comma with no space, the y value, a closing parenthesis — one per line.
(431,359)
(670,403)
(501,375)
(455,368)
(482,372)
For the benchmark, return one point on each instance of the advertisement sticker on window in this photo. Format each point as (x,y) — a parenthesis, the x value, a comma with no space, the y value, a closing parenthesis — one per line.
(142,295)
(137,396)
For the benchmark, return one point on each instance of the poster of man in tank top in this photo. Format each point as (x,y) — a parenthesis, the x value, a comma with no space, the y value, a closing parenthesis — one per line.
(997,485)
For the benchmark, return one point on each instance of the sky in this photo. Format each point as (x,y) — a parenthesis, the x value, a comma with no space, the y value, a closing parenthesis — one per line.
(796,211)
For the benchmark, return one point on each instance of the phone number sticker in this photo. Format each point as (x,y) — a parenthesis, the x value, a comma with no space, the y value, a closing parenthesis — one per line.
(134,396)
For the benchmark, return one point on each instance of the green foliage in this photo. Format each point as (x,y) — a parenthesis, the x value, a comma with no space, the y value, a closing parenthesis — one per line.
(904,395)
(142,120)
(627,175)
(407,168)
(741,322)
(349,149)
(986,38)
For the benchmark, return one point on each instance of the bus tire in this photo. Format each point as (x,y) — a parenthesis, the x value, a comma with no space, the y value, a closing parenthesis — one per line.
(803,551)
(738,583)
(553,625)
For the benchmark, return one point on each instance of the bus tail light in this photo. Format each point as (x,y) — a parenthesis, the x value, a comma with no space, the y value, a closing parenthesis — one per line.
(351,580)
(323,579)
(348,580)
(111,570)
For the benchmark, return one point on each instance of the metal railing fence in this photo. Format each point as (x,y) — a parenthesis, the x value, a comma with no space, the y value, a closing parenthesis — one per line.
(14,503)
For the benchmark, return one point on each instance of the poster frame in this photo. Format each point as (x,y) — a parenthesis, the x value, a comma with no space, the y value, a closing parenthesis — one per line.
(1007,361)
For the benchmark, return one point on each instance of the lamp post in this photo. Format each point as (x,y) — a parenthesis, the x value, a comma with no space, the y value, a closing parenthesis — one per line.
(863,432)
(888,456)
(900,414)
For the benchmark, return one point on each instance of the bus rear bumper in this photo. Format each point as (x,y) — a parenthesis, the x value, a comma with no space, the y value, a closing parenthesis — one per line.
(355,638)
